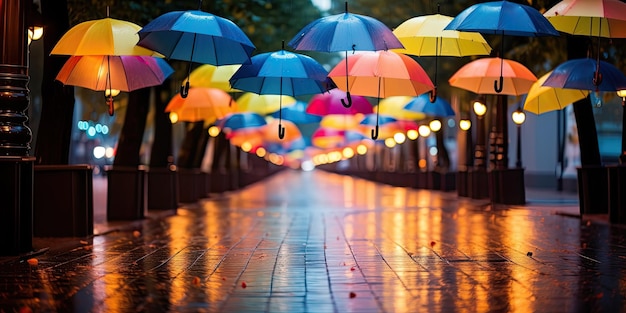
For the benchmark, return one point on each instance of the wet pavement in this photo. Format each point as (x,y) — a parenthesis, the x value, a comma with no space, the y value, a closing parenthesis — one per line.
(321,242)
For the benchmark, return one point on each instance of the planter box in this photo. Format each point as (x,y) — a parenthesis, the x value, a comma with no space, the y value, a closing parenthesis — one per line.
(16,205)
(507,186)
(617,194)
(63,201)
(478,184)
(126,195)
(162,189)
(191,185)
(462,185)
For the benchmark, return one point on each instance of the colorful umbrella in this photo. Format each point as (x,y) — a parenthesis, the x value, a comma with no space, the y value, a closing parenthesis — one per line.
(237,121)
(212,76)
(381,74)
(196,36)
(425,36)
(341,121)
(597,18)
(105,73)
(542,99)
(101,37)
(297,114)
(345,32)
(330,103)
(263,104)
(503,18)
(579,74)
(202,104)
(281,73)
(291,132)
(477,76)
(422,104)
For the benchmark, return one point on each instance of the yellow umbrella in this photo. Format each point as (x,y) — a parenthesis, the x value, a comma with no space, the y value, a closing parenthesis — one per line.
(597,18)
(202,104)
(263,104)
(208,75)
(542,99)
(341,121)
(105,36)
(394,107)
(425,36)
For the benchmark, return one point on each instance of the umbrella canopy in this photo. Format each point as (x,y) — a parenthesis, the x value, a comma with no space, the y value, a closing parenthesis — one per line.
(196,36)
(291,132)
(422,104)
(212,76)
(426,36)
(381,74)
(237,121)
(202,104)
(581,74)
(281,73)
(598,18)
(330,103)
(101,37)
(263,104)
(478,76)
(503,18)
(341,121)
(542,99)
(345,32)
(297,114)
(394,106)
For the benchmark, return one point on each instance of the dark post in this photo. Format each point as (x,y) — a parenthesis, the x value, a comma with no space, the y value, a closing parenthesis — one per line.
(518,162)
(16,167)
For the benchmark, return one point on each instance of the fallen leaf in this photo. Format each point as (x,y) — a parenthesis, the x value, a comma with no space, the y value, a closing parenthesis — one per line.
(352,294)
(136,234)
(432,244)
(196,281)
(243,284)
(32,262)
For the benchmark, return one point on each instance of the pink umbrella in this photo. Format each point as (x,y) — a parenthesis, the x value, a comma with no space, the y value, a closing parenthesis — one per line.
(330,103)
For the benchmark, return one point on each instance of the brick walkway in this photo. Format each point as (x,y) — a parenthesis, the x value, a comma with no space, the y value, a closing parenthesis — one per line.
(320,242)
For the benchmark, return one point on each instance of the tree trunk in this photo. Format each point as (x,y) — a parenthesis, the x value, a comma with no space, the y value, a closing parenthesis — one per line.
(577,48)
(131,136)
(186,156)
(162,150)
(57,112)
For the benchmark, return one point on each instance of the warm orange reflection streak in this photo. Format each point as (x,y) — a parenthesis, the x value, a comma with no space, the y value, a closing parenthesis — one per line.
(179,227)
(348,191)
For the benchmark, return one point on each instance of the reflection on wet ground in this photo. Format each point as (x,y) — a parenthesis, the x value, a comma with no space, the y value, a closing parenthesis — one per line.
(320,242)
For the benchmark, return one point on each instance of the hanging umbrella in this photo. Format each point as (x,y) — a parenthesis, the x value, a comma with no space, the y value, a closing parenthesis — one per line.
(202,104)
(196,36)
(281,73)
(579,74)
(237,121)
(291,132)
(381,74)
(425,36)
(212,76)
(597,18)
(297,114)
(107,73)
(422,104)
(345,32)
(263,104)
(477,76)
(341,121)
(503,18)
(101,37)
(542,99)
(330,103)
(394,106)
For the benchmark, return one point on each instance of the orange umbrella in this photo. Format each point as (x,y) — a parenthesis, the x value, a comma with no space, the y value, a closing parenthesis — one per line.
(381,74)
(478,76)
(208,104)
(291,131)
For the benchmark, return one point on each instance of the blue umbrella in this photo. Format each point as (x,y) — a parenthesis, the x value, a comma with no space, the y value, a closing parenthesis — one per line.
(503,18)
(237,121)
(421,103)
(587,74)
(372,119)
(297,114)
(196,36)
(345,32)
(281,73)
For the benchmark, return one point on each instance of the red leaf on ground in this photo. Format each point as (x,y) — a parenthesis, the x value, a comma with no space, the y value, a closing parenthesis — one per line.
(352,295)
(243,284)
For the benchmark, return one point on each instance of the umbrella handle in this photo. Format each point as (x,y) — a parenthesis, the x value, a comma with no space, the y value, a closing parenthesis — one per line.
(499,88)
(184,90)
(349,103)
(110,103)
(597,78)
(433,95)
(375,133)
(281,131)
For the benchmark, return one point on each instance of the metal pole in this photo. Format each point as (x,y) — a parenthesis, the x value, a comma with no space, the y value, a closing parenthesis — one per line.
(518,163)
